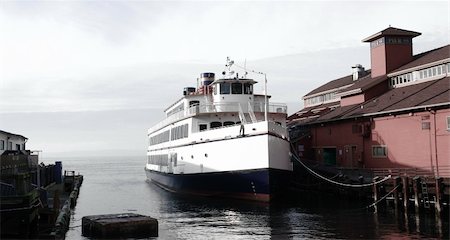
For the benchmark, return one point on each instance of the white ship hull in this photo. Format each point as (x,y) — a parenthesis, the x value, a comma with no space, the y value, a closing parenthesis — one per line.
(250,164)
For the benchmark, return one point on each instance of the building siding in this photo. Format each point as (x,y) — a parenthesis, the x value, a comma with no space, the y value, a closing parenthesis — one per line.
(410,142)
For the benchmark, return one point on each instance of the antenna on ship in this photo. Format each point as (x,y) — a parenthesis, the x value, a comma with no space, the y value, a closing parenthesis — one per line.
(228,65)
(245,68)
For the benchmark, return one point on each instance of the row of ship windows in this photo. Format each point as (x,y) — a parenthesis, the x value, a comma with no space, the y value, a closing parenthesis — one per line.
(164,159)
(160,159)
(178,108)
(174,133)
(320,99)
(212,125)
(420,75)
(234,88)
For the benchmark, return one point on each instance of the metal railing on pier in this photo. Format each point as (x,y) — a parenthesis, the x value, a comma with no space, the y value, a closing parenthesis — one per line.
(440,171)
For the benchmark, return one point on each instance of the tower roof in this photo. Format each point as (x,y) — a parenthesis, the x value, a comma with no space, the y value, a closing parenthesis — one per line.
(391,31)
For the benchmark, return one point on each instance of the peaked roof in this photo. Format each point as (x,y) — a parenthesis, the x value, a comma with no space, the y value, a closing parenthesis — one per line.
(427,57)
(391,31)
(363,84)
(417,96)
(337,83)
(12,134)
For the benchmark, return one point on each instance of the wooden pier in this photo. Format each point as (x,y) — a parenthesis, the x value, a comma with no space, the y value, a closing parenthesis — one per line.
(408,193)
(36,200)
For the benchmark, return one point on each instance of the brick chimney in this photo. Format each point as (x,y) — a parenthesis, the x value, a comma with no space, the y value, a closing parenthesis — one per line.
(390,49)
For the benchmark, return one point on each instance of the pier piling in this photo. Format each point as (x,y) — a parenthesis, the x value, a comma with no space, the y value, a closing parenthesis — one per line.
(405,184)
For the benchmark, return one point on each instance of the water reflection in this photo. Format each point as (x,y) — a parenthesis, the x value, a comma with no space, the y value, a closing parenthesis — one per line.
(115,185)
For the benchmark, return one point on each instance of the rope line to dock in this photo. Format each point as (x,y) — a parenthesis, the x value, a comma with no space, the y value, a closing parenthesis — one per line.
(338,183)
(381,199)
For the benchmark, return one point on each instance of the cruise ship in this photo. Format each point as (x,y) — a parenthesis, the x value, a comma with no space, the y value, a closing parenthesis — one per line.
(221,139)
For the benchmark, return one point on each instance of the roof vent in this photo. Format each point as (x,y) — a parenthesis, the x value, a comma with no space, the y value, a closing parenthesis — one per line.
(358,72)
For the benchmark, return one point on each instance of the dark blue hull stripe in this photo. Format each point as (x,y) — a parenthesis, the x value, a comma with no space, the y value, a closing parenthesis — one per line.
(258,184)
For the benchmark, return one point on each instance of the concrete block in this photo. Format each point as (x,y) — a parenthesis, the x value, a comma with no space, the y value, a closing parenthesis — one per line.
(122,225)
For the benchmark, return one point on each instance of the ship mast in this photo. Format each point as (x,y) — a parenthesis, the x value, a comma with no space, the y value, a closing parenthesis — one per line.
(230,73)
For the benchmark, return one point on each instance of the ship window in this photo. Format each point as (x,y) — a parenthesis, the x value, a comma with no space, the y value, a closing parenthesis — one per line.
(225,88)
(236,88)
(179,132)
(248,88)
(228,123)
(194,103)
(215,125)
(202,127)
(160,138)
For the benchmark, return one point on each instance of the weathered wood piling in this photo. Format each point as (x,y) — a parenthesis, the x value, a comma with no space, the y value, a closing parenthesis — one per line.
(415,195)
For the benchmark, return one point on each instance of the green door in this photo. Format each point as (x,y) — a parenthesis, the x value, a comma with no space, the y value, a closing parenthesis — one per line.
(329,156)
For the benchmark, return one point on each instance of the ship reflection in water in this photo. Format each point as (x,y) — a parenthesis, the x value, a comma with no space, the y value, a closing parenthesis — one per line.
(117,184)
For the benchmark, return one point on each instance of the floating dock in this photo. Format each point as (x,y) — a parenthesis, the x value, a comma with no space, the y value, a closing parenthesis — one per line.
(123,225)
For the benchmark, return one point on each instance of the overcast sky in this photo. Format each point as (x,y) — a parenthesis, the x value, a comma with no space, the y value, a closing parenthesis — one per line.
(78,56)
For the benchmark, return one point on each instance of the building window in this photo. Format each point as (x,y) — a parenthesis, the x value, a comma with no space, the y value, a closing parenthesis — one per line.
(2,145)
(425,125)
(379,151)
(9,145)
(356,128)
(448,123)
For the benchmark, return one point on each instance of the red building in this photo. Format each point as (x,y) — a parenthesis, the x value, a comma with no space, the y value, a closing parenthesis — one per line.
(394,116)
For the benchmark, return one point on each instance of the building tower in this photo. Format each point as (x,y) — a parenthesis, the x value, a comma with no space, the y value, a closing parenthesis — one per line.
(390,49)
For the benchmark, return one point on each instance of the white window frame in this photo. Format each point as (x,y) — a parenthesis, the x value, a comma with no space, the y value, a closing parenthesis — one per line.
(448,123)
(380,156)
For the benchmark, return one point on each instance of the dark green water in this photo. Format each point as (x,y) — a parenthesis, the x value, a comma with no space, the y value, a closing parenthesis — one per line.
(118,185)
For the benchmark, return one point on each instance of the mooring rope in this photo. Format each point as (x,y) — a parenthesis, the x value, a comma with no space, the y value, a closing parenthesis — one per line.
(338,183)
(381,199)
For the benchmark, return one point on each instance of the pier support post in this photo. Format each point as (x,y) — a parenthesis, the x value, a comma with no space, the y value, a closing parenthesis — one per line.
(375,194)
(396,194)
(416,184)
(438,202)
(405,184)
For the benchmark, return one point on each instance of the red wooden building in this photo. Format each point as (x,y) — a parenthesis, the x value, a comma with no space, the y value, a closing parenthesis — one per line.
(394,116)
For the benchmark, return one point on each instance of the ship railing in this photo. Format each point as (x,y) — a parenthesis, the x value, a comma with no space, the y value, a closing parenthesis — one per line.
(216,108)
